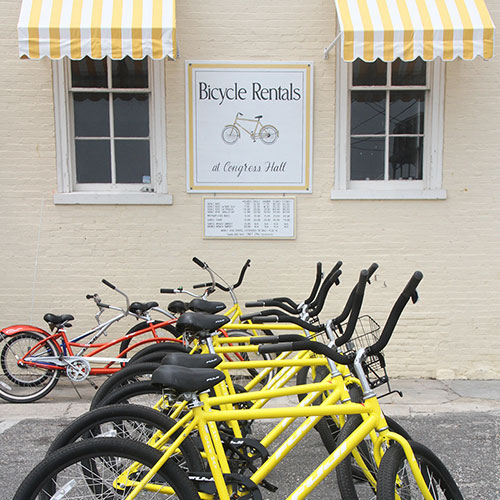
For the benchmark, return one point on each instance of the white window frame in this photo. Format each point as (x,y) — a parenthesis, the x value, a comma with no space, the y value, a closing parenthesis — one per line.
(431,185)
(67,189)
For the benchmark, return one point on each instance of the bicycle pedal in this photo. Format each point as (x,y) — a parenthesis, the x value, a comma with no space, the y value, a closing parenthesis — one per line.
(268,486)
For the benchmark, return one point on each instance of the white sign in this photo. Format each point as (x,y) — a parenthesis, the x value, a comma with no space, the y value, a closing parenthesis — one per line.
(249,218)
(249,126)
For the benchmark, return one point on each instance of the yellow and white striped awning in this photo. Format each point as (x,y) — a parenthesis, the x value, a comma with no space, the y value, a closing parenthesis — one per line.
(407,29)
(97,29)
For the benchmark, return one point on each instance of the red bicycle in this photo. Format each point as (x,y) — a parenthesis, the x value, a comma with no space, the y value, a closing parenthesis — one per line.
(32,359)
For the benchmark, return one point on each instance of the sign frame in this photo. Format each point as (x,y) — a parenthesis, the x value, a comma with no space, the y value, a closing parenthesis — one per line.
(303,180)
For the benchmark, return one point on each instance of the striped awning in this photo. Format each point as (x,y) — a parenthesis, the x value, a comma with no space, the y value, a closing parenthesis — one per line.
(97,29)
(407,29)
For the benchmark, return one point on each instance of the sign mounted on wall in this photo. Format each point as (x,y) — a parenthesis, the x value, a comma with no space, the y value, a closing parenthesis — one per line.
(249,126)
(250,218)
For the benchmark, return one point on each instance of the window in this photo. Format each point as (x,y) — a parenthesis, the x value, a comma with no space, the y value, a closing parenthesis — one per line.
(389,130)
(110,131)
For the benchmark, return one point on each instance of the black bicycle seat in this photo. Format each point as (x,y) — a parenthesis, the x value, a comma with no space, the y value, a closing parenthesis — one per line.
(54,319)
(140,308)
(183,379)
(207,306)
(194,322)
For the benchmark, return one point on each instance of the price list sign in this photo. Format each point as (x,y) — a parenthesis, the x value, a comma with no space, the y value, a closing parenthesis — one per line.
(249,218)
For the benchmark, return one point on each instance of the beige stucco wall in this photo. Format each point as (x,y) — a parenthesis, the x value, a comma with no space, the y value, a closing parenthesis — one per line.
(53,255)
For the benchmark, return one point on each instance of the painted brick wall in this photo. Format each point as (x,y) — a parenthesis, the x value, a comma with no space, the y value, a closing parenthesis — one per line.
(53,255)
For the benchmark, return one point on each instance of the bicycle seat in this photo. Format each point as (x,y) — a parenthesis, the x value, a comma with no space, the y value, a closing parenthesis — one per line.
(258,117)
(178,306)
(212,307)
(191,360)
(194,322)
(183,379)
(141,307)
(54,319)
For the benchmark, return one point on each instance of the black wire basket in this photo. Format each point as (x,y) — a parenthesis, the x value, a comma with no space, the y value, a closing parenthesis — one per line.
(366,333)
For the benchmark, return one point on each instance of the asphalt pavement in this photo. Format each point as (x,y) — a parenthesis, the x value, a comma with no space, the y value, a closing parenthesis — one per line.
(458,419)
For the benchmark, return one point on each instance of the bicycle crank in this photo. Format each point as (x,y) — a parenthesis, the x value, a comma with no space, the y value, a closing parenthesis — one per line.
(78,370)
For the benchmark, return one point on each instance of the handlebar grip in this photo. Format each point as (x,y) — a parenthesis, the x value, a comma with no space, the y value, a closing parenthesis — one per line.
(372,269)
(316,284)
(199,262)
(270,339)
(348,305)
(202,285)
(326,284)
(303,345)
(320,301)
(281,347)
(242,273)
(397,309)
(167,290)
(258,303)
(88,296)
(266,319)
(107,283)
(357,301)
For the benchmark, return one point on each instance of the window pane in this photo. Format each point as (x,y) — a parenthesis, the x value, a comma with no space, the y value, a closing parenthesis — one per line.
(91,114)
(364,73)
(93,161)
(406,114)
(131,113)
(405,157)
(128,73)
(408,73)
(367,158)
(89,73)
(132,162)
(367,112)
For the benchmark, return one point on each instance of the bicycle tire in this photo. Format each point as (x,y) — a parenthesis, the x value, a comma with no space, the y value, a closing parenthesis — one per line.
(158,350)
(130,374)
(394,465)
(88,469)
(142,326)
(352,482)
(141,393)
(25,384)
(230,134)
(268,134)
(133,422)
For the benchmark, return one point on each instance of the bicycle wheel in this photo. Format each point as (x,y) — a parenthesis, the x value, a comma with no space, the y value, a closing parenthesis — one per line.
(353,482)
(143,326)
(395,476)
(137,372)
(21,383)
(157,351)
(133,422)
(268,134)
(92,468)
(141,393)
(230,134)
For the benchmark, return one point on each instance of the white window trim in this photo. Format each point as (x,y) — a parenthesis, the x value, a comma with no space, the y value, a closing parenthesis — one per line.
(64,148)
(428,189)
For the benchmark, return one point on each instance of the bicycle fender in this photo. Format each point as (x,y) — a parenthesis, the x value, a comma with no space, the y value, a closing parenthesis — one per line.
(14,329)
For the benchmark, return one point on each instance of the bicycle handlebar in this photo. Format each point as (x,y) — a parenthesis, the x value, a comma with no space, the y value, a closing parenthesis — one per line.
(331,279)
(107,283)
(409,292)
(348,306)
(316,283)
(308,345)
(199,262)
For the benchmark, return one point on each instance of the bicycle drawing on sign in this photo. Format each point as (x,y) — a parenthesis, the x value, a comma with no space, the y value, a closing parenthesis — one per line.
(268,134)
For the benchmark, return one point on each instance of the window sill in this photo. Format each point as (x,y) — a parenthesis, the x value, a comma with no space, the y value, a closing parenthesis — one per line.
(403,194)
(95,198)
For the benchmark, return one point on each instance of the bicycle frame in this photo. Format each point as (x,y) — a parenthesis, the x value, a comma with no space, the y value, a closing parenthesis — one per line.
(203,417)
(251,133)
(89,350)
